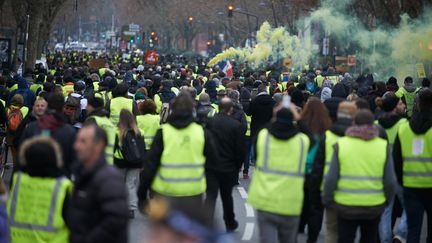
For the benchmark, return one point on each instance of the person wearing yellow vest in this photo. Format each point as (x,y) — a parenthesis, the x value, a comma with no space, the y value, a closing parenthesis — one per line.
(164,96)
(68,86)
(120,102)
(361,180)
(98,115)
(412,153)
(391,120)
(36,206)
(148,122)
(276,189)
(181,149)
(37,86)
(321,164)
(408,93)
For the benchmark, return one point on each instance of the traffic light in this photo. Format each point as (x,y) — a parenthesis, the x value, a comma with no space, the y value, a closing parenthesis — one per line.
(190,19)
(153,33)
(208,43)
(138,38)
(230,11)
(132,40)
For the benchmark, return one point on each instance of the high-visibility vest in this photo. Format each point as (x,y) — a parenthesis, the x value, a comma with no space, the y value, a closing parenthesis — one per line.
(361,170)
(409,98)
(95,86)
(181,172)
(102,71)
(35,209)
(248,120)
(149,125)
(330,140)
(67,89)
(34,87)
(392,131)
(14,87)
(110,129)
(279,177)
(117,105)
(24,111)
(417,157)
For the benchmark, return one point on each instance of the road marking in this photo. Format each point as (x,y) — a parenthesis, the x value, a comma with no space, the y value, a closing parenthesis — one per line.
(242,192)
(250,213)
(248,232)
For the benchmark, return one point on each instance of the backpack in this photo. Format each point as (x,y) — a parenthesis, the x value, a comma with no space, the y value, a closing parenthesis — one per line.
(132,148)
(15,118)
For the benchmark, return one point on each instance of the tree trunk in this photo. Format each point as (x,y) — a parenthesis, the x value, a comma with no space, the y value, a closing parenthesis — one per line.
(36,11)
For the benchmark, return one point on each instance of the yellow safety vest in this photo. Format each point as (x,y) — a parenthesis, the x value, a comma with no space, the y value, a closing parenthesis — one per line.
(361,170)
(149,125)
(417,157)
(67,89)
(35,209)
(181,172)
(110,129)
(35,87)
(14,87)
(391,132)
(248,120)
(117,105)
(279,177)
(409,99)
(330,140)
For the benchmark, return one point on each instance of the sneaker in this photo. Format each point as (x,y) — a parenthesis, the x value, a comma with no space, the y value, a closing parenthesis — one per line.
(231,227)
(245,176)
(398,239)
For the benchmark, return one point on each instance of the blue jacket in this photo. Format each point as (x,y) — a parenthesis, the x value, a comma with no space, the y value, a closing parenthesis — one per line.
(23,89)
(4,228)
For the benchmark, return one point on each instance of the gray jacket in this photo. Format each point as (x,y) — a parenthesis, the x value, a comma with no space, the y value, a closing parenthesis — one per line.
(358,212)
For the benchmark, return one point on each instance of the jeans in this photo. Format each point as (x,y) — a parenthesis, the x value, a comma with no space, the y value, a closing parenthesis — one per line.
(248,145)
(277,228)
(347,229)
(221,182)
(331,224)
(310,216)
(385,225)
(417,201)
(131,177)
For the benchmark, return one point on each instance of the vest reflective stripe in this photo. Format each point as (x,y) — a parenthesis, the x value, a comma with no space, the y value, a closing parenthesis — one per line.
(149,125)
(110,130)
(117,105)
(417,157)
(181,172)
(361,170)
(248,120)
(330,140)
(45,222)
(279,177)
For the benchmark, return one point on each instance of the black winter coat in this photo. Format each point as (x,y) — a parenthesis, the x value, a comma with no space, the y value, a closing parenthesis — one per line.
(229,138)
(261,110)
(98,210)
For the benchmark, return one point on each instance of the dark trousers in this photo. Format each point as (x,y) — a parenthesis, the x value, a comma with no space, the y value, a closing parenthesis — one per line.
(310,216)
(246,163)
(221,182)
(347,229)
(417,201)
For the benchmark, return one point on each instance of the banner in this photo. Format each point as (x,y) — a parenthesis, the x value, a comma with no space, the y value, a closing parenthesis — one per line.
(151,57)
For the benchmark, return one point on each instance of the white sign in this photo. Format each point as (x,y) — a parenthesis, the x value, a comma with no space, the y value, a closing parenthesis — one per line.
(326,46)
(134,27)
(129,33)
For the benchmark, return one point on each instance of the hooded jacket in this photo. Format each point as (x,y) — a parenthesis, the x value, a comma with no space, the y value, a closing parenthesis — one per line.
(55,125)
(365,133)
(23,89)
(420,123)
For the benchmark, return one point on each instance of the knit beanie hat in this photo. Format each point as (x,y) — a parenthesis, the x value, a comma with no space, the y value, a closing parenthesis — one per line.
(389,102)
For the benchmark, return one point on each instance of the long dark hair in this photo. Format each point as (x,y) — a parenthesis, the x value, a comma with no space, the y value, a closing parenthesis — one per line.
(127,122)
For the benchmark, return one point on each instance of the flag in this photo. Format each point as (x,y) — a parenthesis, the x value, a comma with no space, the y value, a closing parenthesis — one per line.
(227,68)
(151,57)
